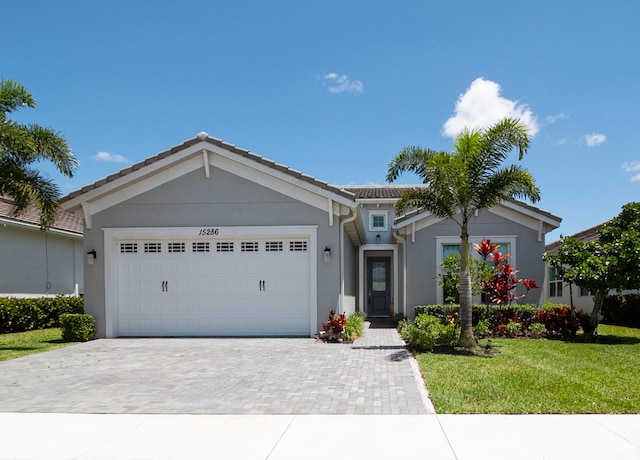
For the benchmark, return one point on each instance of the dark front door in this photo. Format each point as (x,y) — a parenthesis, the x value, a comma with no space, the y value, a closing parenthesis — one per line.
(378,286)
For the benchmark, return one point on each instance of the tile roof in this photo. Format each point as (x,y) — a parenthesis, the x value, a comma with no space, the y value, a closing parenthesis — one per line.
(369,192)
(65,221)
(204,137)
(590,234)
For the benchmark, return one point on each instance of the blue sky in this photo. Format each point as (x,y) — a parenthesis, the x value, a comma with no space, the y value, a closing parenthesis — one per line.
(336,88)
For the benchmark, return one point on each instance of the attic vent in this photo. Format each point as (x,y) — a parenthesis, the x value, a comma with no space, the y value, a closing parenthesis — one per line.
(273,246)
(153,247)
(224,246)
(297,246)
(200,246)
(128,248)
(176,247)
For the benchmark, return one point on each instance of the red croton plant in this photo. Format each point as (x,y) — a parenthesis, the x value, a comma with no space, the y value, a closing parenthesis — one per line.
(500,287)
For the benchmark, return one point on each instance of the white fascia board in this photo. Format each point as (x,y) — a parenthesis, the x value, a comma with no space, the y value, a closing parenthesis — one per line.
(523,216)
(252,165)
(190,159)
(223,231)
(35,227)
(421,221)
(376,200)
(537,216)
(152,169)
(281,183)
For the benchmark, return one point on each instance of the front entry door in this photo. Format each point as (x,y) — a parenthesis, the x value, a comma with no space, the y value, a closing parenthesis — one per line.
(379,289)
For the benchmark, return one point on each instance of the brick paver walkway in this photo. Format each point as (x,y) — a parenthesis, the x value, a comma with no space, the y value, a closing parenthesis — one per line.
(374,375)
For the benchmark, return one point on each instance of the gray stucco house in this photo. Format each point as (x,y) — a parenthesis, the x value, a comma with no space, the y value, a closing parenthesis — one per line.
(37,263)
(208,239)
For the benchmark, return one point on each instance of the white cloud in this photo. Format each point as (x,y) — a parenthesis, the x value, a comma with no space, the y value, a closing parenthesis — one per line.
(632,167)
(111,157)
(482,106)
(550,119)
(594,139)
(342,84)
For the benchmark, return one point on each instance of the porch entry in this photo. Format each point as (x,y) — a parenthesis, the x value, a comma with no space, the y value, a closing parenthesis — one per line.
(378,286)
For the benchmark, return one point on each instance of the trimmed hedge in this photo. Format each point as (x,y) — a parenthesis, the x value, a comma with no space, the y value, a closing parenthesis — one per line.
(552,320)
(623,310)
(77,328)
(20,315)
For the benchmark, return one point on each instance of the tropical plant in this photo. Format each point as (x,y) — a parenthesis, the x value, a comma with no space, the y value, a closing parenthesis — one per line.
(610,263)
(21,146)
(469,179)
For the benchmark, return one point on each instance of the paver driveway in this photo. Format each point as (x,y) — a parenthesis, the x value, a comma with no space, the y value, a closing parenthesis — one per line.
(217,376)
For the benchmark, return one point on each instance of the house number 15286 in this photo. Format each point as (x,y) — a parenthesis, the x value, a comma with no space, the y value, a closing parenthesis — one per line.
(208,231)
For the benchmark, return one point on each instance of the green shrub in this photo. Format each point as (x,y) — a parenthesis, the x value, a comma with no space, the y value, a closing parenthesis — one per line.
(397,318)
(20,315)
(427,331)
(537,330)
(77,327)
(623,310)
(481,330)
(354,326)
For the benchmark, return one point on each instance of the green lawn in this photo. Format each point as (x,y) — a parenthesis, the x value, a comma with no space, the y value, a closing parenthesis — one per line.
(27,343)
(540,376)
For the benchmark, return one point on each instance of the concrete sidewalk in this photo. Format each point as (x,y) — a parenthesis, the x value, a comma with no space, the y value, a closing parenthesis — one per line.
(279,437)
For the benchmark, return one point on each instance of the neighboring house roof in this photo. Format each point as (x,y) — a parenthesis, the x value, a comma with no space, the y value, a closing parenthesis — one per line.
(590,234)
(64,221)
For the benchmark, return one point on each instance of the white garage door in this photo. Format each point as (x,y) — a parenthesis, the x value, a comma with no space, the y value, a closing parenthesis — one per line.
(218,286)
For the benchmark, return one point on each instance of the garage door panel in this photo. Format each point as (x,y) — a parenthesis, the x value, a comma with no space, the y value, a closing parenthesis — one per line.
(244,287)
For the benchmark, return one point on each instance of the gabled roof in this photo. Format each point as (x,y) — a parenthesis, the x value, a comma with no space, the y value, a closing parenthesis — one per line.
(521,206)
(65,221)
(585,236)
(204,137)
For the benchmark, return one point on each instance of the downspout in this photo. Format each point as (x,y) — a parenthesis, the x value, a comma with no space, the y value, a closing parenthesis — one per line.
(354,214)
(403,241)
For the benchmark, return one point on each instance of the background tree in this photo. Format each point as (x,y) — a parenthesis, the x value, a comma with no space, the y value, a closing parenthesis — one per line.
(610,263)
(23,145)
(464,181)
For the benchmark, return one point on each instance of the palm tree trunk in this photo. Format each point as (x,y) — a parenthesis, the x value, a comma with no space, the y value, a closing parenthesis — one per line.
(466,314)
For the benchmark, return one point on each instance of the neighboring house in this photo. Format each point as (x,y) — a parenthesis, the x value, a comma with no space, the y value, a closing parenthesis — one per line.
(557,291)
(207,239)
(35,262)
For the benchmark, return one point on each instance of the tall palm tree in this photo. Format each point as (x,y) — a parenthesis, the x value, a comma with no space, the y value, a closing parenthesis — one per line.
(464,181)
(23,145)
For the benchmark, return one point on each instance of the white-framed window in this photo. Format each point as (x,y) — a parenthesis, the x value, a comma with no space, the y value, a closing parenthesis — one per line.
(447,245)
(378,221)
(555,284)
(585,292)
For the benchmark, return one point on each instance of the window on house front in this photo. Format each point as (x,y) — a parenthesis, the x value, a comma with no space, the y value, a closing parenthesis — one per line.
(584,292)
(378,221)
(555,284)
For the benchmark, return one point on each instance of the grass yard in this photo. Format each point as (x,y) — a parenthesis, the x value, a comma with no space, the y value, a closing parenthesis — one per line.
(540,376)
(27,343)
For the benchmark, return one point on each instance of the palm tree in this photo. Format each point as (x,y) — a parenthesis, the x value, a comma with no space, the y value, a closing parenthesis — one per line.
(23,145)
(464,181)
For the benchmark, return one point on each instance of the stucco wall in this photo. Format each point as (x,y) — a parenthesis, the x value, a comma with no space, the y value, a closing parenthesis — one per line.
(422,267)
(223,199)
(38,263)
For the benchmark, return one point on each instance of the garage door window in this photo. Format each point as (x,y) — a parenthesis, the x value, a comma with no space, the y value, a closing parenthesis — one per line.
(249,246)
(200,246)
(177,247)
(297,246)
(224,246)
(273,246)
(153,247)
(128,248)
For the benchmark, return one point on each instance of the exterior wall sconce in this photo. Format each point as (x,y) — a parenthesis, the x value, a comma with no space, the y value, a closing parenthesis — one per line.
(91,256)
(378,238)
(327,254)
